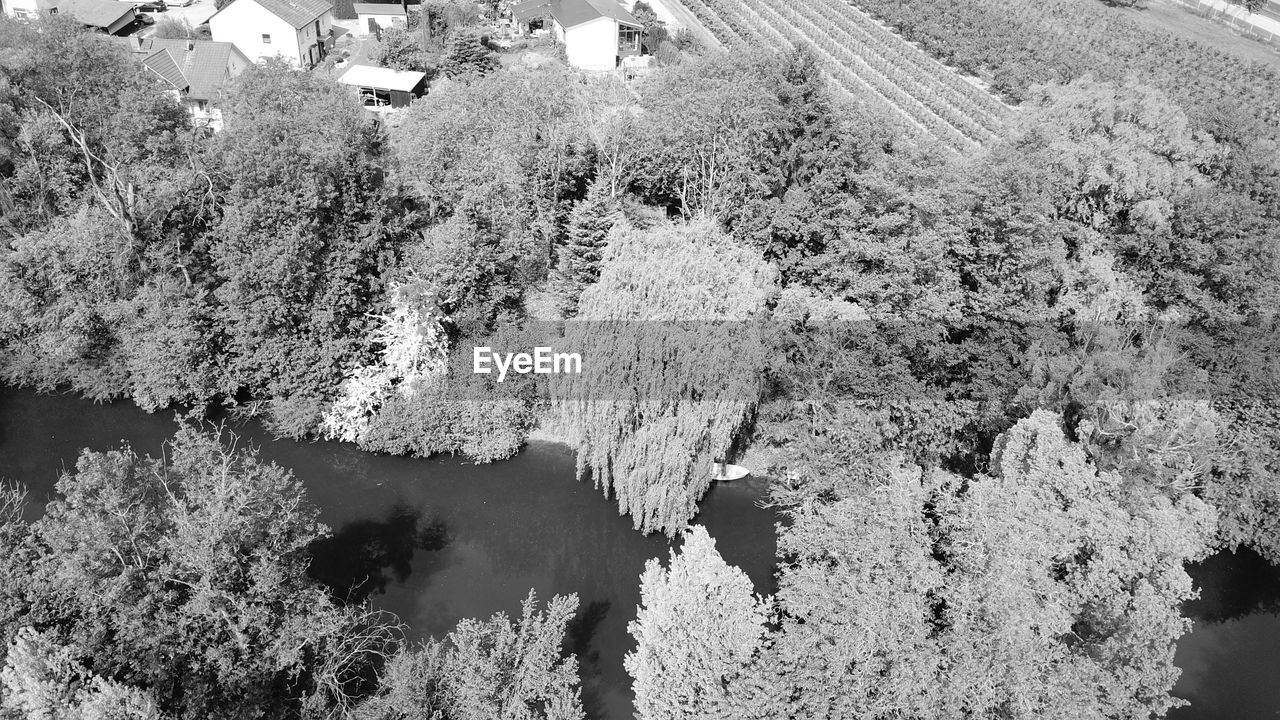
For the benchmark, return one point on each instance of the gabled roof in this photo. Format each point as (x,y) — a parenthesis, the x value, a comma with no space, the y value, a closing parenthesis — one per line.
(165,65)
(570,13)
(529,9)
(374,8)
(295,12)
(98,13)
(198,67)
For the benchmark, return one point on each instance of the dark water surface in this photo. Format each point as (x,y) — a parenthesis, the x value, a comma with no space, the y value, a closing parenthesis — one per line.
(437,540)
(1231,659)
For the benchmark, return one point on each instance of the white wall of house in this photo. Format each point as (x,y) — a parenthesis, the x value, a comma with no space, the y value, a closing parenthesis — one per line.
(592,45)
(310,34)
(261,35)
(382,21)
(24,8)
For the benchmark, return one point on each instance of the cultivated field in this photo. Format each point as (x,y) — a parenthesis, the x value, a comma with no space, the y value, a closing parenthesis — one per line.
(1019,43)
(867,59)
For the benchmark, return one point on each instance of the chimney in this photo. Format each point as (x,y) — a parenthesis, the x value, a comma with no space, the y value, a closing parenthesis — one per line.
(191,44)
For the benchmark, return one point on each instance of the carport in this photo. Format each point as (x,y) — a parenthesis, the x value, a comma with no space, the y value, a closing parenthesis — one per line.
(381,87)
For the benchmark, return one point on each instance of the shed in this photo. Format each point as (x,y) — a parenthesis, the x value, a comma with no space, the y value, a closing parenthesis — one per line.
(381,87)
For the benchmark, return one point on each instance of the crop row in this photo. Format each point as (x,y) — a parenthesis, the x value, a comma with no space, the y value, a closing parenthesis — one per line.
(1020,43)
(865,59)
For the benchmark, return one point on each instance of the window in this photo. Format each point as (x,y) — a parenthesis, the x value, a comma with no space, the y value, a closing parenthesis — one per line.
(202,105)
(628,39)
(266,39)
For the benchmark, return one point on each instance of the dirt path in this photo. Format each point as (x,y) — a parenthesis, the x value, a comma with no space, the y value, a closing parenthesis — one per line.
(676,15)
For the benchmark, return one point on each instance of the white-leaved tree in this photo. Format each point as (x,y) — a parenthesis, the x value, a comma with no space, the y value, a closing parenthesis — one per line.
(699,625)
(414,351)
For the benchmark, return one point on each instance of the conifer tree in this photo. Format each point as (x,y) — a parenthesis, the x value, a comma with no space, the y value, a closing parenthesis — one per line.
(697,627)
(468,55)
(578,259)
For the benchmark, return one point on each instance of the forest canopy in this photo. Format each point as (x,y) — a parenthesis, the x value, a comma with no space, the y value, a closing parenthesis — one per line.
(1004,395)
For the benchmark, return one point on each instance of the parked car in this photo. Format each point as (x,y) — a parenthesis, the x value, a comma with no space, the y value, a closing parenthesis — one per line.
(180,3)
(156,6)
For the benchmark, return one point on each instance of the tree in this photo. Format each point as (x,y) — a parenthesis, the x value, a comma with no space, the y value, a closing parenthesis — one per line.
(41,679)
(697,628)
(172,28)
(512,671)
(1039,590)
(97,165)
(400,49)
(308,235)
(442,18)
(515,180)
(578,259)
(675,366)
(655,31)
(468,55)
(705,129)
(187,575)
(486,670)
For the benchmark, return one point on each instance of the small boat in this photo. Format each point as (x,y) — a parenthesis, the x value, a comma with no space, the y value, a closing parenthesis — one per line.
(724,472)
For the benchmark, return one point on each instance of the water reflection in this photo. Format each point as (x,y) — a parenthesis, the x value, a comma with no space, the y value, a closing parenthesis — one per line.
(354,562)
(579,640)
(1230,660)
(1234,585)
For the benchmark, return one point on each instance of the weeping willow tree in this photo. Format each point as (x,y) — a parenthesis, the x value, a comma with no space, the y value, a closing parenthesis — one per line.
(671,366)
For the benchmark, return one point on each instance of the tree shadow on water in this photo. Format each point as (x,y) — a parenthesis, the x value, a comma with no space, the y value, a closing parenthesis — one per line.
(363,556)
(1233,585)
(578,635)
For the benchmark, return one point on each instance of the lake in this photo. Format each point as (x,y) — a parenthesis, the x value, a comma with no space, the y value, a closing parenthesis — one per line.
(439,540)
(435,540)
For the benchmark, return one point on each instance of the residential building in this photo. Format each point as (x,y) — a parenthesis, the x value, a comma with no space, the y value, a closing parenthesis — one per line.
(373,18)
(197,70)
(530,16)
(108,16)
(27,9)
(383,88)
(297,31)
(596,34)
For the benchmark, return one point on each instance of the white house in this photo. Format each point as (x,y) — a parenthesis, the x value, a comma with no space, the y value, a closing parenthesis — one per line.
(26,9)
(373,18)
(596,34)
(298,31)
(197,70)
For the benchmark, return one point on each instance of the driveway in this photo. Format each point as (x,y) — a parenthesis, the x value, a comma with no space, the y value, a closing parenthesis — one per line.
(197,13)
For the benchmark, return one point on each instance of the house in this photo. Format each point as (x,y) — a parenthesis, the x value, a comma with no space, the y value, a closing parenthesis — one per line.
(531,15)
(26,9)
(596,34)
(108,16)
(297,31)
(197,70)
(373,18)
(384,88)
